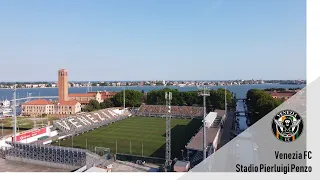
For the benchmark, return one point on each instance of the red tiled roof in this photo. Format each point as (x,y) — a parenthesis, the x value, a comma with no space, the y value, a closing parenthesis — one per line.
(110,93)
(68,103)
(104,95)
(38,102)
(282,94)
(82,95)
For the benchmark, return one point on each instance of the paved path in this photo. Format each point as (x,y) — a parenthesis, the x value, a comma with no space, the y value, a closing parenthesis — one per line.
(12,166)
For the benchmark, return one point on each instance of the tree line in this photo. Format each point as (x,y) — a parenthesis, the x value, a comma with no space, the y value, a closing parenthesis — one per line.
(216,100)
(260,103)
(134,98)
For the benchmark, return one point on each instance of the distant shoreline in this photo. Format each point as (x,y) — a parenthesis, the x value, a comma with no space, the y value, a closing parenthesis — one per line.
(161,86)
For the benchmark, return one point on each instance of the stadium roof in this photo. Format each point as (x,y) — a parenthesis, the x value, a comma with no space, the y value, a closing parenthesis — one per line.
(197,141)
(211,116)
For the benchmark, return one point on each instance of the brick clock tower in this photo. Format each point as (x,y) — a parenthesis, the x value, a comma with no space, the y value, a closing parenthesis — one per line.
(63,85)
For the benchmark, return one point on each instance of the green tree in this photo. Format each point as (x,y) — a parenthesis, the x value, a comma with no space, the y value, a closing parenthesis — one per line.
(190,98)
(107,103)
(94,104)
(88,108)
(133,98)
(217,98)
(260,103)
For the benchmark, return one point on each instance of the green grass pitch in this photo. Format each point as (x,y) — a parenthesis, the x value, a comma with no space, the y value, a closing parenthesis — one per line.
(146,134)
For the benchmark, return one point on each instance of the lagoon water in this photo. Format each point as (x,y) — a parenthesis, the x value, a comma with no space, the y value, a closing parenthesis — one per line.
(242,119)
(239,90)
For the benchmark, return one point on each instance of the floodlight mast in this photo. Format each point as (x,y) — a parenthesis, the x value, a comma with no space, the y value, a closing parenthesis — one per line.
(14,114)
(124,98)
(205,93)
(168,97)
(225,100)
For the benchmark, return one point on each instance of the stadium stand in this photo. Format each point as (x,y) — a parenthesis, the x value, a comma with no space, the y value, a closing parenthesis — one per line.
(195,145)
(63,157)
(52,156)
(84,122)
(176,111)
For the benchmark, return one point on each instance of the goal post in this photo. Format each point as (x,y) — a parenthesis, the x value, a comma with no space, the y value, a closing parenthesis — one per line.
(102,151)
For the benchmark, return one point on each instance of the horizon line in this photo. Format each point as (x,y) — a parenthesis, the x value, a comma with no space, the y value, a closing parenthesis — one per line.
(154,80)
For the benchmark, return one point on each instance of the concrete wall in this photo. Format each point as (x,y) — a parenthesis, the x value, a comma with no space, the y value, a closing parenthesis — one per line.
(216,139)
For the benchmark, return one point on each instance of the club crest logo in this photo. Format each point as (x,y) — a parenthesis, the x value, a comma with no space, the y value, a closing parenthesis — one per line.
(287,125)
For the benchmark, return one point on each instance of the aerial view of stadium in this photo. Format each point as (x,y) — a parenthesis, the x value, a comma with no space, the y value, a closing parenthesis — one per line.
(148,86)
(110,138)
(163,130)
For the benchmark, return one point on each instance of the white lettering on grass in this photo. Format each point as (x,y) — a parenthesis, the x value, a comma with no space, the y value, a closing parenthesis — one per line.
(83,120)
(107,116)
(91,118)
(97,114)
(65,125)
(112,113)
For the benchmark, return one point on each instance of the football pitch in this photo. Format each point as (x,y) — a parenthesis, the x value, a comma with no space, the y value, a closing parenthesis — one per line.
(138,136)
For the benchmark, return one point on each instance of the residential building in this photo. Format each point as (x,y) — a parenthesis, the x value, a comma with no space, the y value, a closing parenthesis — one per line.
(68,107)
(282,95)
(84,98)
(38,107)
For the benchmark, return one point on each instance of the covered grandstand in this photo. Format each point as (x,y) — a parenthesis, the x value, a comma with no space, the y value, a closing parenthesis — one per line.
(213,122)
(188,112)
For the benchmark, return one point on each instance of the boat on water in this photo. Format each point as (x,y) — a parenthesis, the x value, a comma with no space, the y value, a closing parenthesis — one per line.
(6,112)
(5,104)
(5,109)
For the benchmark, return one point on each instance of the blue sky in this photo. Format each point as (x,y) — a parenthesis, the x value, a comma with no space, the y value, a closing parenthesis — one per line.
(153,39)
